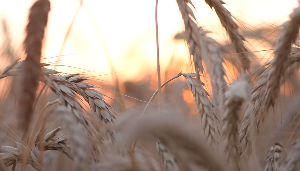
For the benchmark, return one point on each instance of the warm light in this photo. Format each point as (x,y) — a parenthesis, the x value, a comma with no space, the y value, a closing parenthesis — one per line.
(189,99)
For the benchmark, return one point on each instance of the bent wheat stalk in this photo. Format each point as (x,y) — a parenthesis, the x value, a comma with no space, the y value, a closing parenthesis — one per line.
(168,159)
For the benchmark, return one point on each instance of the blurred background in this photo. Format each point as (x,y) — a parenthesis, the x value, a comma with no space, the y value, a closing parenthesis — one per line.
(114,41)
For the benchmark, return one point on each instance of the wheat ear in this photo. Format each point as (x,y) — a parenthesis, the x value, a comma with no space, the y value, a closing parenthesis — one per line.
(274,157)
(214,62)
(281,54)
(191,33)
(232,30)
(188,148)
(94,97)
(235,97)
(205,107)
(13,155)
(258,96)
(169,161)
(37,21)
(80,147)
(291,163)
(65,87)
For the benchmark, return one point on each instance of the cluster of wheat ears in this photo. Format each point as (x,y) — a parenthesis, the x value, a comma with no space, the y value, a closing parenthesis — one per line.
(97,137)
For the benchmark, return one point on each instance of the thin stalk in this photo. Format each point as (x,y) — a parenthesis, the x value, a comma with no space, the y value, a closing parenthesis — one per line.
(158,64)
(39,95)
(171,79)
(68,32)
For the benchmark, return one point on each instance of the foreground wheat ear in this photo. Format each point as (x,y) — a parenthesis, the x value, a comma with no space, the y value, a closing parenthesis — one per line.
(291,163)
(235,97)
(66,87)
(169,161)
(14,155)
(273,160)
(37,21)
(190,150)
(130,162)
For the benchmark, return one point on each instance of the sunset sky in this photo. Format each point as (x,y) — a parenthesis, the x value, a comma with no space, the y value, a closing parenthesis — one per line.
(128,29)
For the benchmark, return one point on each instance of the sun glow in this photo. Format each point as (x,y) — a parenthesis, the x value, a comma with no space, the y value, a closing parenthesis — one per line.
(128,30)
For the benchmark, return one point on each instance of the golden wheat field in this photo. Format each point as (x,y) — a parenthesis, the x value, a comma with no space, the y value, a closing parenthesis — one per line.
(153,85)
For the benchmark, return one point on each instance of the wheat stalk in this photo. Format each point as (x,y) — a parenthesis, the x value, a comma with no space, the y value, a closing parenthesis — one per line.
(205,107)
(37,21)
(168,159)
(235,97)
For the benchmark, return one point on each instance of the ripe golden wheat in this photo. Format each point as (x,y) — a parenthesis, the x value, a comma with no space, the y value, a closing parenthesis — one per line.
(83,131)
